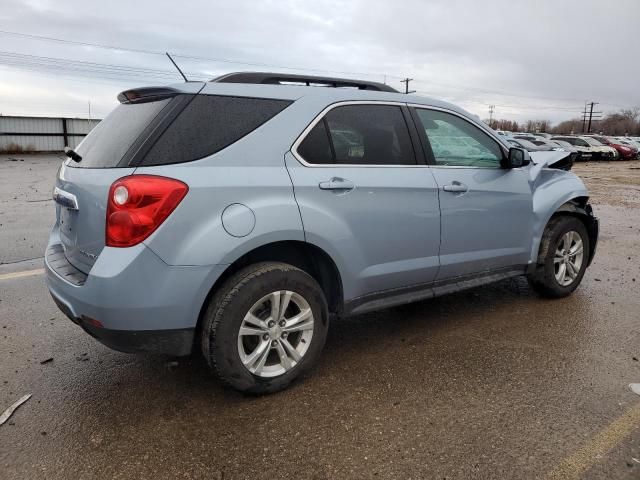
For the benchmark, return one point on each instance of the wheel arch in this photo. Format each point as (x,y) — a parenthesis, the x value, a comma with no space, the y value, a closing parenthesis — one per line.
(580,208)
(306,256)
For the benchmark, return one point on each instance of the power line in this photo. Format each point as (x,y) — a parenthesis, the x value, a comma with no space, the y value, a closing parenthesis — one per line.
(283,67)
(123,73)
(190,57)
(24,60)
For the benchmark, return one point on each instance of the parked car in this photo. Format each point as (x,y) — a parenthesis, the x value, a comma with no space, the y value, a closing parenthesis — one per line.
(550,145)
(530,146)
(597,150)
(236,217)
(626,152)
(582,153)
(504,133)
(630,141)
(525,136)
(532,136)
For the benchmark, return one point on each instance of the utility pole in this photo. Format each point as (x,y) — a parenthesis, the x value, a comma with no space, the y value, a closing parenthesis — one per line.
(89,119)
(406,85)
(589,114)
(593,115)
(491,108)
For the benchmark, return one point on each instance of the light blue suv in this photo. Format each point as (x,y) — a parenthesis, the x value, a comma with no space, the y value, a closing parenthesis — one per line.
(239,215)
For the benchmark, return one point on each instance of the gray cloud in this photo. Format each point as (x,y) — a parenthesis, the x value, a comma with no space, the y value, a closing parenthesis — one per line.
(532,60)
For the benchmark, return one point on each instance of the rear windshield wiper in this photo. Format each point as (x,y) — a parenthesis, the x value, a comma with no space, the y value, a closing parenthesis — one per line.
(69,152)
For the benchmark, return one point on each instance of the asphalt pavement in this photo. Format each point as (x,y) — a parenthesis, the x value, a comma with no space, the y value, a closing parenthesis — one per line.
(494,382)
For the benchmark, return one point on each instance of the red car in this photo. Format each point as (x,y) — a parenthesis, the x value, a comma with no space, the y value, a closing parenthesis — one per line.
(626,152)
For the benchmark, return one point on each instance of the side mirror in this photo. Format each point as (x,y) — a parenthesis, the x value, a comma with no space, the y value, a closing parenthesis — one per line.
(517,158)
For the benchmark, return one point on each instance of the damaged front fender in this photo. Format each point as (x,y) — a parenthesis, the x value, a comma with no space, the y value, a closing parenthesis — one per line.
(559,160)
(555,190)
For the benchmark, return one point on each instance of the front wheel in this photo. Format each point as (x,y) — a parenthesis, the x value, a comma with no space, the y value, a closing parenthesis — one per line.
(563,257)
(265,327)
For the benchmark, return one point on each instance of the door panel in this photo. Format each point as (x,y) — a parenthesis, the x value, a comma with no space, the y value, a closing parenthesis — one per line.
(487,211)
(383,231)
(487,227)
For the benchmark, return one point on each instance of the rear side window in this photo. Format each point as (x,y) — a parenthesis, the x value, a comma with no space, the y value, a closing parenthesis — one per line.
(360,135)
(108,142)
(209,124)
(316,147)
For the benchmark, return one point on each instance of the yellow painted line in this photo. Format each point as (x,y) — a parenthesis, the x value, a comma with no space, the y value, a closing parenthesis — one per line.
(573,466)
(26,273)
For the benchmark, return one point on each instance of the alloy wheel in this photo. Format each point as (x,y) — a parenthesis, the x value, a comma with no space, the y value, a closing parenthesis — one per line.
(275,333)
(568,258)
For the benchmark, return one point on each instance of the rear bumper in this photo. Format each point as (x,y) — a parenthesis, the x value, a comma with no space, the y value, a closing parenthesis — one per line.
(134,302)
(176,342)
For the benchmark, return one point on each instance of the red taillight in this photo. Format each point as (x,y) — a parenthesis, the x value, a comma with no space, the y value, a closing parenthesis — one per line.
(137,205)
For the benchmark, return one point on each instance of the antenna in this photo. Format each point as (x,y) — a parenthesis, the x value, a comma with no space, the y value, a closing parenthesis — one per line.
(177,67)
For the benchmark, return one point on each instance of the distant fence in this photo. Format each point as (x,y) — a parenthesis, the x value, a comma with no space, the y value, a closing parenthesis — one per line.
(42,134)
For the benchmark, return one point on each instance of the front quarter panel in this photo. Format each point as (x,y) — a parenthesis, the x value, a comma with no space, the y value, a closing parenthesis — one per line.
(552,188)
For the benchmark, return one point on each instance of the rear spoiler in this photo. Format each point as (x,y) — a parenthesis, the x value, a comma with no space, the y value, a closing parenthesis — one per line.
(146,94)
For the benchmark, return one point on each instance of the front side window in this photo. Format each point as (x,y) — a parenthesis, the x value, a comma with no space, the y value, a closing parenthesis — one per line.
(456,142)
(359,135)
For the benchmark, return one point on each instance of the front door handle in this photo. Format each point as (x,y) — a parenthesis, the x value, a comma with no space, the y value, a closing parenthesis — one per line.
(337,183)
(455,187)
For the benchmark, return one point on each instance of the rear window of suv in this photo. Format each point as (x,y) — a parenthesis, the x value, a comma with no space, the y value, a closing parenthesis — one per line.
(209,124)
(108,142)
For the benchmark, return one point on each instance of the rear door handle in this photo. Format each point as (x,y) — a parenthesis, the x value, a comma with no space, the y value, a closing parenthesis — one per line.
(337,183)
(456,187)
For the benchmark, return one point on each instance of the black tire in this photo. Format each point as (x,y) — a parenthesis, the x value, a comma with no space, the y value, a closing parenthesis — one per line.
(227,309)
(543,279)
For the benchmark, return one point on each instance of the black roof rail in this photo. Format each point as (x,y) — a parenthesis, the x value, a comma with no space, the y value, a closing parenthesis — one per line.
(280,78)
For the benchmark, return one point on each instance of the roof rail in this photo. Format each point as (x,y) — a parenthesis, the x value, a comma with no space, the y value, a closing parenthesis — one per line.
(282,78)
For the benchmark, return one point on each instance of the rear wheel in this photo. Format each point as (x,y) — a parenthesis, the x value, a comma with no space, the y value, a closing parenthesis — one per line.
(563,257)
(265,327)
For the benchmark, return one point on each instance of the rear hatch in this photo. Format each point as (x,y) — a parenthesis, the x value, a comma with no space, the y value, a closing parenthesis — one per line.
(151,127)
(107,154)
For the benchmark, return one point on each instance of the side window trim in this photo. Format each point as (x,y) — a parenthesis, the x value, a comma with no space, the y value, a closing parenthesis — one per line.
(427,144)
(329,139)
(422,135)
(321,117)
(419,151)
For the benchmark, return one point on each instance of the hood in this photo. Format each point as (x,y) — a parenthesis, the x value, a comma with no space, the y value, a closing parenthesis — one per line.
(560,160)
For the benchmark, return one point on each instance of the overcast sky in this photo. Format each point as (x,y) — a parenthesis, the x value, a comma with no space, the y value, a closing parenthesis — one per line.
(535,59)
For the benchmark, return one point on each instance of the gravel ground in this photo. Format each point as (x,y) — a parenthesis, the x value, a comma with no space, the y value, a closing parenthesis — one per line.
(489,383)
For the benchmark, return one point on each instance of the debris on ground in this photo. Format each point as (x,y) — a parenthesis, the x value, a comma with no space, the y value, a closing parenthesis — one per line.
(635,388)
(46,360)
(9,411)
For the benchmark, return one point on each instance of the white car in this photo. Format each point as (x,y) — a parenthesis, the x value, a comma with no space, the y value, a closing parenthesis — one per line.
(597,149)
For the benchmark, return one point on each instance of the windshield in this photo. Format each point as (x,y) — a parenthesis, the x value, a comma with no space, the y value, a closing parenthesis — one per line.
(593,142)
